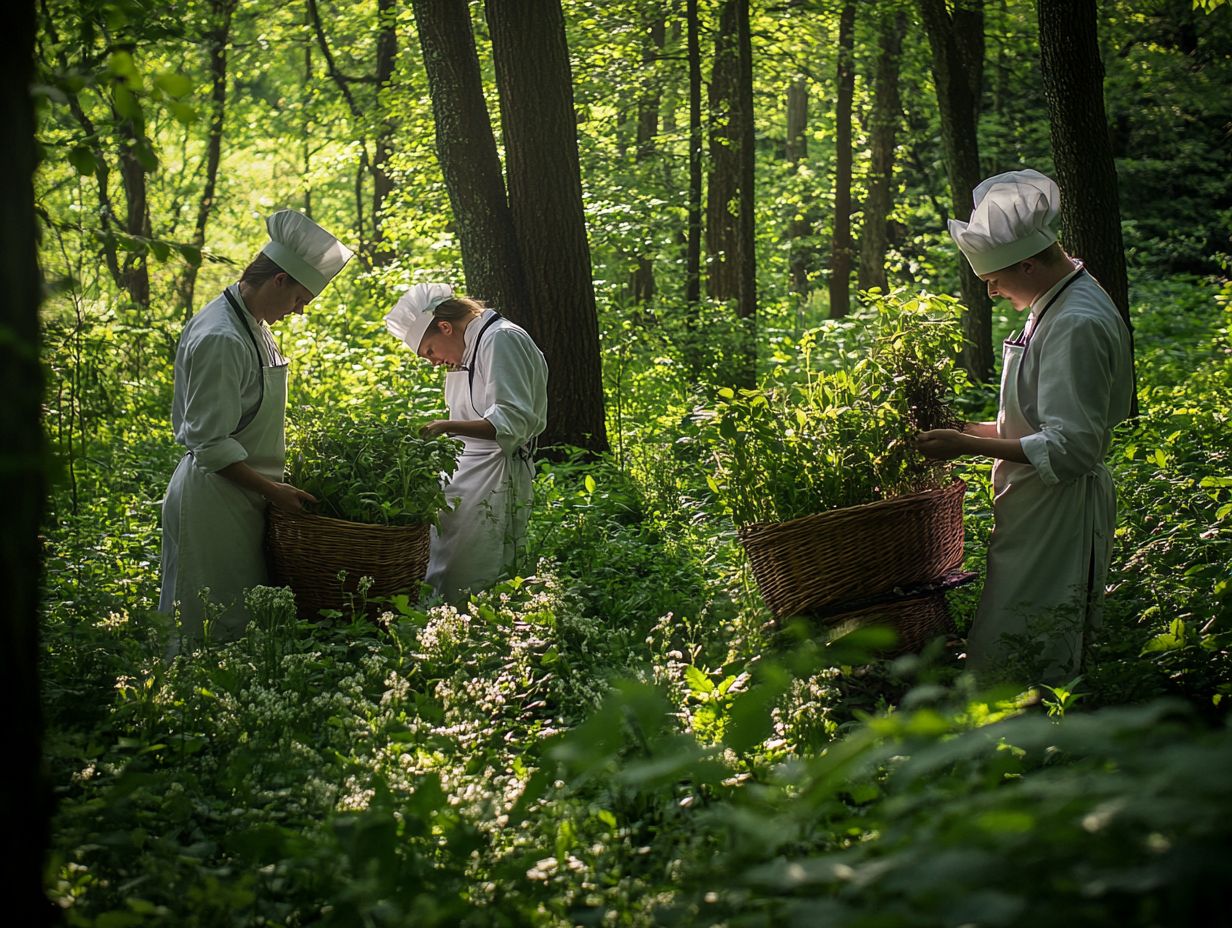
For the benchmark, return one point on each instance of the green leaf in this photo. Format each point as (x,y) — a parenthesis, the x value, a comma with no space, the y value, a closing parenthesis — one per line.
(697,681)
(173,84)
(83,160)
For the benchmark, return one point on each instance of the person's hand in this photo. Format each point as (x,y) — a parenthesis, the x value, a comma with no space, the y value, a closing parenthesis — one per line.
(434,428)
(941,444)
(289,498)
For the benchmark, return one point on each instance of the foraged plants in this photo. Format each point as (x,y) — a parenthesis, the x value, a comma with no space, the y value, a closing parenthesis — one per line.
(831,439)
(367,469)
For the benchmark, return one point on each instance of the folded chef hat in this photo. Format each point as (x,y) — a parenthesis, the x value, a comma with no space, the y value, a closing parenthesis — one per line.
(412,314)
(304,250)
(1011,221)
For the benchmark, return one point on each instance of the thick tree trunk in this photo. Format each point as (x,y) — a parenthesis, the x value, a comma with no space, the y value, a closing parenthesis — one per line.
(218,37)
(957,43)
(466,148)
(883,129)
(799,226)
(25,799)
(1081,145)
(729,202)
(693,246)
(840,244)
(539,126)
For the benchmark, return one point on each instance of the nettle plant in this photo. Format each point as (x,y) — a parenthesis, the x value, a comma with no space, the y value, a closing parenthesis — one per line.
(365,468)
(809,440)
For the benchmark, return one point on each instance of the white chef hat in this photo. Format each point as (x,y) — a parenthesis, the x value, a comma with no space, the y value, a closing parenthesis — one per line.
(304,250)
(1011,221)
(412,314)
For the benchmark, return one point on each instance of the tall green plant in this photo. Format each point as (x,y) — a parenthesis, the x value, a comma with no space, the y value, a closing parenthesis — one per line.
(842,437)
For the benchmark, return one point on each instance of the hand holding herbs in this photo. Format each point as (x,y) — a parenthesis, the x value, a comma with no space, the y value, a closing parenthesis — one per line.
(365,469)
(844,436)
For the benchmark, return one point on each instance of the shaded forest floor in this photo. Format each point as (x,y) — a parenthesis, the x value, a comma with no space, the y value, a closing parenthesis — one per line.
(624,738)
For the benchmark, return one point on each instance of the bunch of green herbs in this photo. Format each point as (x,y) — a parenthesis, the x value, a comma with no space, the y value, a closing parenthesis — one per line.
(810,440)
(367,469)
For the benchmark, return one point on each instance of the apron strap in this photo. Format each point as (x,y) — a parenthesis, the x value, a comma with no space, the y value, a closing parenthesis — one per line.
(470,370)
(1039,317)
(239,317)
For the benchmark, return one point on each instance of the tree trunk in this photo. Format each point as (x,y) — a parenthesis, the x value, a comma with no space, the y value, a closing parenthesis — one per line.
(1081,146)
(840,244)
(642,281)
(218,37)
(25,796)
(883,127)
(693,246)
(799,226)
(137,213)
(539,126)
(729,202)
(466,148)
(382,185)
(957,43)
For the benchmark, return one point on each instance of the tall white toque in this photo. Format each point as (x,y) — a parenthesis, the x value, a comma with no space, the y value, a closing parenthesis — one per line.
(412,314)
(304,250)
(1012,220)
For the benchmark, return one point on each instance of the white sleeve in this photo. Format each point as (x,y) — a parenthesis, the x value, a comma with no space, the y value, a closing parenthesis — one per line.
(516,396)
(1076,373)
(213,375)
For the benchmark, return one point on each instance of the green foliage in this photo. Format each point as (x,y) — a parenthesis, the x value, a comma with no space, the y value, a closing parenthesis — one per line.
(366,469)
(843,437)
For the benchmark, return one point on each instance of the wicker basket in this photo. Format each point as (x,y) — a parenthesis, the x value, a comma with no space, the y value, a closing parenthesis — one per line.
(308,551)
(844,555)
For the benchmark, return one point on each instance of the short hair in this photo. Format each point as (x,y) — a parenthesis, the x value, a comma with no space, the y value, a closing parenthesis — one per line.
(261,269)
(1052,255)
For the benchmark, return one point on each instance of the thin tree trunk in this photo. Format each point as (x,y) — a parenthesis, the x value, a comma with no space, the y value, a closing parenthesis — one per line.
(539,127)
(840,244)
(466,148)
(137,211)
(957,43)
(25,796)
(219,37)
(1081,146)
(382,184)
(693,247)
(642,281)
(883,127)
(799,226)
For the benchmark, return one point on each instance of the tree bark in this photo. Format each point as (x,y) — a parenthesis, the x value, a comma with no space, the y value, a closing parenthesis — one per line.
(135,270)
(957,44)
(642,281)
(693,246)
(1081,146)
(840,244)
(218,37)
(883,128)
(466,148)
(799,226)
(382,184)
(729,209)
(25,796)
(539,127)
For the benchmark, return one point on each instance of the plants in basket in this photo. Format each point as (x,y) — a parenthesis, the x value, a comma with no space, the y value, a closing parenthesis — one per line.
(378,486)
(819,468)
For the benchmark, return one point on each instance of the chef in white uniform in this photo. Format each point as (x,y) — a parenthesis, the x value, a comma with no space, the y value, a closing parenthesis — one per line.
(496,391)
(1066,381)
(228,412)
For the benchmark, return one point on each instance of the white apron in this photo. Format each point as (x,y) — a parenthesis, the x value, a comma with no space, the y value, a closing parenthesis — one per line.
(1048,558)
(481,538)
(214,529)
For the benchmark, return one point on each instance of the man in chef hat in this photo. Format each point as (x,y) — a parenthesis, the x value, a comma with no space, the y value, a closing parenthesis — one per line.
(1066,381)
(496,392)
(228,412)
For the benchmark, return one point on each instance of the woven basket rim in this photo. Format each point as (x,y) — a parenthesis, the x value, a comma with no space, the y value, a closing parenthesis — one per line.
(757,528)
(331,521)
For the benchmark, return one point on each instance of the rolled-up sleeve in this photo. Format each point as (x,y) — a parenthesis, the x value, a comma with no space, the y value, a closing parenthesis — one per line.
(1075,382)
(209,407)
(516,400)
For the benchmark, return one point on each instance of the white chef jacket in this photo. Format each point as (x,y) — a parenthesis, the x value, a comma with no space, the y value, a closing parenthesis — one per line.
(504,381)
(1062,393)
